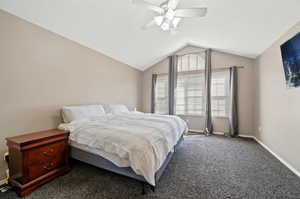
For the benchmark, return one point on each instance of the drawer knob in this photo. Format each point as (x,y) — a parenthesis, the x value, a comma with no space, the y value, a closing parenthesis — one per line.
(48,153)
(49,168)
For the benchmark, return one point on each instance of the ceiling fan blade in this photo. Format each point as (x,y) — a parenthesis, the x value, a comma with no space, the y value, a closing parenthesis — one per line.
(191,12)
(148,6)
(149,25)
(173,4)
(176,22)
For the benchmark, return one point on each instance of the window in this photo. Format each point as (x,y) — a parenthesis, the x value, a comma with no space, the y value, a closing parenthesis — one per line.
(220,93)
(189,94)
(191,62)
(161,97)
(190,99)
(190,85)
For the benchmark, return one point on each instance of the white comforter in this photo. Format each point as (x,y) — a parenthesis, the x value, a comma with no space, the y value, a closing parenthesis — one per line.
(143,139)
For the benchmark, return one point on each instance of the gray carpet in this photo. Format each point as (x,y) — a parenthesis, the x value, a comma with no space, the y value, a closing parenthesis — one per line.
(204,167)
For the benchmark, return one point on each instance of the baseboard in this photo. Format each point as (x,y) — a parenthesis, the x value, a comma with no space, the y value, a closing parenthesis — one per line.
(295,171)
(195,131)
(218,133)
(247,136)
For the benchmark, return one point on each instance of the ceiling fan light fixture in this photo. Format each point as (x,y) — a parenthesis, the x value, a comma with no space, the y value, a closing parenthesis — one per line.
(165,26)
(170,14)
(176,21)
(158,20)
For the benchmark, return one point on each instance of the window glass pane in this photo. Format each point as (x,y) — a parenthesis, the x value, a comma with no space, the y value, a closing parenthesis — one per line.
(220,93)
(184,63)
(201,61)
(189,93)
(161,98)
(193,62)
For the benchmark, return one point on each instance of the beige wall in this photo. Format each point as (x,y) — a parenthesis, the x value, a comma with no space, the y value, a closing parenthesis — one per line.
(219,60)
(41,71)
(277,109)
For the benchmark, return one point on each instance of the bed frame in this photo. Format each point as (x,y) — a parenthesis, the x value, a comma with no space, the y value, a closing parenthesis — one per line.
(103,163)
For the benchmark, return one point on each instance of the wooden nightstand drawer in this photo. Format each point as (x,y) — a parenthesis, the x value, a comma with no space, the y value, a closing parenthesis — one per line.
(46,153)
(37,170)
(36,158)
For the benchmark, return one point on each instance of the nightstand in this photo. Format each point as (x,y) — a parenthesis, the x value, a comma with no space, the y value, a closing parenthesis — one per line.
(37,158)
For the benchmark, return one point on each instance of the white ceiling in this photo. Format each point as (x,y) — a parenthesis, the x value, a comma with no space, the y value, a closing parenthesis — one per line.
(113,27)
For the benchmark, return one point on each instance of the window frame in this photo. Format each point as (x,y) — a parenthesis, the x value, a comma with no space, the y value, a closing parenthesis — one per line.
(194,72)
(164,77)
(190,69)
(226,97)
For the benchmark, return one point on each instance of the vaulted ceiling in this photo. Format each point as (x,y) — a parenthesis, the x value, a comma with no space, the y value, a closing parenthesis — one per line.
(113,27)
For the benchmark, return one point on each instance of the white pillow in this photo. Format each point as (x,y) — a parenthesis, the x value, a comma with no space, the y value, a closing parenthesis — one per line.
(71,113)
(116,108)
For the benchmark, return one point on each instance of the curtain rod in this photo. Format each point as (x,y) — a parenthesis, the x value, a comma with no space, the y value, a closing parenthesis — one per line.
(213,69)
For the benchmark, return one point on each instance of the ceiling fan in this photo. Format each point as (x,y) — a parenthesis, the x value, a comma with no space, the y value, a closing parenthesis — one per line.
(168,15)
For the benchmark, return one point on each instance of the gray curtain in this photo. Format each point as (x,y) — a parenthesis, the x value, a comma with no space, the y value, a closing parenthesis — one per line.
(172,83)
(154,79)
(208,128)
(233,105)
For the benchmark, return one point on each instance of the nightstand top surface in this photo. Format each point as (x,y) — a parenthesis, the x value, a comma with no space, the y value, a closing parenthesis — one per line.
(36,136)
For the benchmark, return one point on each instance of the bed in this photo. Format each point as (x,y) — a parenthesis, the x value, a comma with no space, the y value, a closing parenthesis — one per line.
(134,144)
